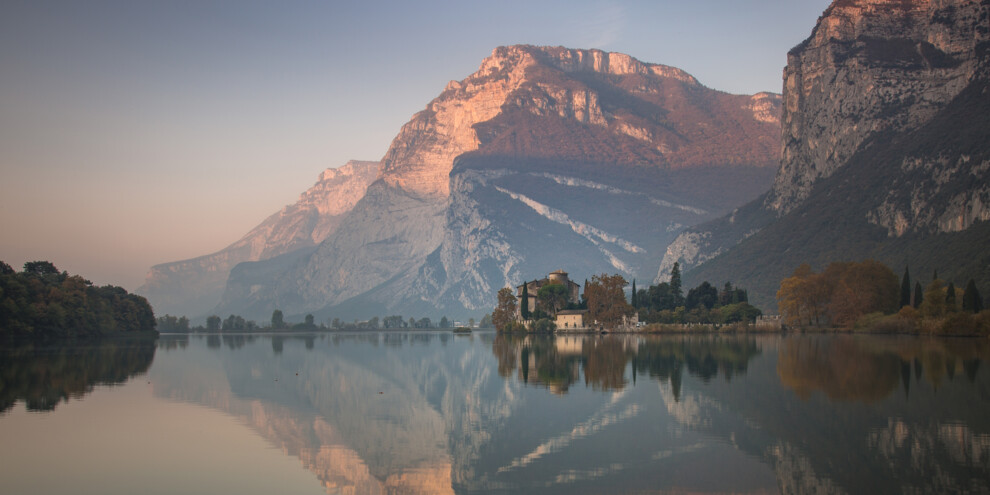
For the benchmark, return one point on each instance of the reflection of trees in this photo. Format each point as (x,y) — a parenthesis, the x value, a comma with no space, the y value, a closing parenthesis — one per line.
(666,358)
(43,376)
(558,363)
(853,370)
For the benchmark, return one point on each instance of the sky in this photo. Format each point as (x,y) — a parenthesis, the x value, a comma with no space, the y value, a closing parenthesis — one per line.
(134,133)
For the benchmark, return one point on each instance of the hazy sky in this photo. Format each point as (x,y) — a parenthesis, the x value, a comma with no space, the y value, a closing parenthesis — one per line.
(134,132)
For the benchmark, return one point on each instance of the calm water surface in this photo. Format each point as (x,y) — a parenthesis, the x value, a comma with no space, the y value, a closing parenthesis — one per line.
(395,412)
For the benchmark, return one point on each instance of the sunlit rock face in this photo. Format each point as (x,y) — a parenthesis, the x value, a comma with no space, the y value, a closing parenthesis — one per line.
(544,157)
(194,286)
(874,77)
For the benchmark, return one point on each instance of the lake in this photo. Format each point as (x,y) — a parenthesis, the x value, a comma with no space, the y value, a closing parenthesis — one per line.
(434,412)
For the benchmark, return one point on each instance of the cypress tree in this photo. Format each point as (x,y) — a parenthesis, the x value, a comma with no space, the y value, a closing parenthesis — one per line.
(524,304)
(675,285)
(950,298)
(917,295)
(633,302)
(971,298)
(935,274)
(906,288)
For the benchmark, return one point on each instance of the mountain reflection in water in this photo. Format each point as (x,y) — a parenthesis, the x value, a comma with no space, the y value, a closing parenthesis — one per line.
(433,412)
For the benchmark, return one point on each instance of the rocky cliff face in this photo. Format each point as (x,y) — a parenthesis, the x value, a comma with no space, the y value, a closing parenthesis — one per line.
(545,157)
(194,286)
(870,66)
(872,70)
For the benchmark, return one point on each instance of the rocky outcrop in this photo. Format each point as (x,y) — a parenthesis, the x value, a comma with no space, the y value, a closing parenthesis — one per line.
(875,78)
(194,286)
(870,66)
(546,156)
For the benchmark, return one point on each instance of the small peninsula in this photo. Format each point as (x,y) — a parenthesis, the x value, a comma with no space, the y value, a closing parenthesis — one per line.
(41,302)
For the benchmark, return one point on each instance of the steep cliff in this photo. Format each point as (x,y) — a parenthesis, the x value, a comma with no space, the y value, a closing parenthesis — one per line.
(194,286)
(545,157)
(884,150)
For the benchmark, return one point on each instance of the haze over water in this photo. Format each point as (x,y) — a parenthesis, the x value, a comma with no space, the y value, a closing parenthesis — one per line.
(405,412)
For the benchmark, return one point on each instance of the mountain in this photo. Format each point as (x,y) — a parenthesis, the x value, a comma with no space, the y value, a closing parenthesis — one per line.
(885,153)
(194,286)
(544,158)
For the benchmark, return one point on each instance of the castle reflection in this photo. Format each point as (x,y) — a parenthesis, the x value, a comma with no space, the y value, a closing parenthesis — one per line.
(611,362)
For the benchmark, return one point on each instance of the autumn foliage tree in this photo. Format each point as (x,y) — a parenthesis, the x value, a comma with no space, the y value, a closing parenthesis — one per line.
(606,299)
(505,312)
(840,295)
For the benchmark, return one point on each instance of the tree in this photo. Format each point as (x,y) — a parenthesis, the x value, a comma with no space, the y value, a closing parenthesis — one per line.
(213,323)
(444,322)
(486,321)
(918,296)
(524,304)
(633,301)
(607,299)
(543,325)
(505,311)
(950,298)
(470,322)
(277,321)
(906,288)
(972,301)
(309,321)
(553,297)
(703,295)
(675,285)
(933,305)
(40,268)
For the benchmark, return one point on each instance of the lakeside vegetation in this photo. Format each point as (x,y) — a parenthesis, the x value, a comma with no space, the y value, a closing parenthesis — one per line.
(868,297)
(41,302)
(236,323)
(659,308)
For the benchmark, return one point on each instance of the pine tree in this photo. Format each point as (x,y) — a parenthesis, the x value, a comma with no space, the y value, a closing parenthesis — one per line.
(971,298)
(906,288)
(524,304)
(917,295)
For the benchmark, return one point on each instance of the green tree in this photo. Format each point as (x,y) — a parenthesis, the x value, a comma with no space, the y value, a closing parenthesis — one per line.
(40,268)
(933,305)
(213,323)
(310,321)
(553,298)
(950,298)
(633,300)
(543,325)
(444,322)
(972,301)
(918,295)
(906,288)
(277,321)
(675,285)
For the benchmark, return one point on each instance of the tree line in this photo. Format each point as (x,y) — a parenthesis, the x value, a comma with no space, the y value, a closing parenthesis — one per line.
(867,295)
(41,301)
(236,323)
(666,302)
